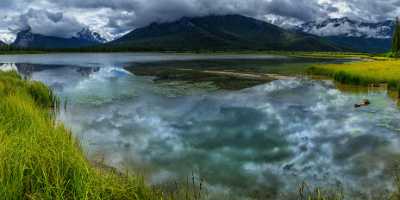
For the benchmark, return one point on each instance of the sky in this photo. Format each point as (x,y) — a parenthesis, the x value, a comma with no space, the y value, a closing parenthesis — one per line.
(113,18)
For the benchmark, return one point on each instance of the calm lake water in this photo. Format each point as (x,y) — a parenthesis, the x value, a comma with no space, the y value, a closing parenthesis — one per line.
(261,142)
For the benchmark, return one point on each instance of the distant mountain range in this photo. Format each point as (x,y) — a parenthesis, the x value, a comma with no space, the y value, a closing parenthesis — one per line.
(228,32)
(84,38)
(360,36)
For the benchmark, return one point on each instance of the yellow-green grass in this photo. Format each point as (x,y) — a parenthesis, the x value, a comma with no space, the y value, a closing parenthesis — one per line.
(340,55)
(363,73)
(40,159)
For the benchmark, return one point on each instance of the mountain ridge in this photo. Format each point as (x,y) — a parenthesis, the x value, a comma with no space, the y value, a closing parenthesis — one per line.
(89,35)
(220,32)
(371,37)
(84,38)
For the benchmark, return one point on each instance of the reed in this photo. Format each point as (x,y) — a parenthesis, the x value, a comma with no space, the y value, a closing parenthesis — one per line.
(364,73)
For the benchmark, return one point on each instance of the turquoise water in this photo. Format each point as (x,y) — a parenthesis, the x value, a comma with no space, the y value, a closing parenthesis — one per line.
(260,142)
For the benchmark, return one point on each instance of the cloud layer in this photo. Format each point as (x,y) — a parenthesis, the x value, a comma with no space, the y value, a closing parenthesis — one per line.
(113,18)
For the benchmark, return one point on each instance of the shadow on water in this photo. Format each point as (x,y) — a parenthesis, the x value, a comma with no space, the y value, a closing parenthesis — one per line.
(228,74)
(285,65)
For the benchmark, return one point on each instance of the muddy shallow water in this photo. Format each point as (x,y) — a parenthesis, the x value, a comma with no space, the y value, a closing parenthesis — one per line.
(259,142)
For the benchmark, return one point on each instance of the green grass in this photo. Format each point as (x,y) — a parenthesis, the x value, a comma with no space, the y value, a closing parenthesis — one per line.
(40,159)
(308,193)
(364,73)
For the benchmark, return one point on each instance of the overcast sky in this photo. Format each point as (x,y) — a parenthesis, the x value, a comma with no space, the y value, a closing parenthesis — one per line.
(115,17)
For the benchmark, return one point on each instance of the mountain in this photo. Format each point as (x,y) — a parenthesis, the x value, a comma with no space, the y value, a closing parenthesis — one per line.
(227,32)
(27,39)
(360,36)
(87,34)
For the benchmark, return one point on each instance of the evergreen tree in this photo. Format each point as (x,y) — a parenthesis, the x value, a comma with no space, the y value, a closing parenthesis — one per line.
(396,39)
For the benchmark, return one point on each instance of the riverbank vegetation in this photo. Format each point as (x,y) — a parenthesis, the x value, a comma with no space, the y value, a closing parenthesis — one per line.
(364,73)
(10,50)
(40,159)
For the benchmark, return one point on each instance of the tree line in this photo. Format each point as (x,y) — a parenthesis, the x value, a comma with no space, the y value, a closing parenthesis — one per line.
(396,39)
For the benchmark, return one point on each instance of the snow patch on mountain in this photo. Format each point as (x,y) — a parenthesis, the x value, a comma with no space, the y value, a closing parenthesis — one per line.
(89,35)
(7,37)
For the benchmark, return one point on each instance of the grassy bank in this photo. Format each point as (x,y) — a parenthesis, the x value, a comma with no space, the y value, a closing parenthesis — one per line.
(39,157)
(364,73)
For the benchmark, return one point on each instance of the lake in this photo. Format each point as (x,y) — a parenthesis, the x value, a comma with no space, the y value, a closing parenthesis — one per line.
(258,141)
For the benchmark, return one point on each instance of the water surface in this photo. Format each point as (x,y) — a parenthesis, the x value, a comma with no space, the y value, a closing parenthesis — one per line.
(260,142)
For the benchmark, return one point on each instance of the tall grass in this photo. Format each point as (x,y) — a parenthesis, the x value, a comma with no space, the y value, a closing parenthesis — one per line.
(363,73)
(40,159)
(308,193)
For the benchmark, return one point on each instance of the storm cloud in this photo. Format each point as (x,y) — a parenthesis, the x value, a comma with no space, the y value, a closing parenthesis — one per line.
(47,23)
(112,18)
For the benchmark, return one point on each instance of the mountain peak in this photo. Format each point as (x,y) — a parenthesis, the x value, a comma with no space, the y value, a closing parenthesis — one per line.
(372,37)
(25,30)
(89,35)
(27,39)
(349,28)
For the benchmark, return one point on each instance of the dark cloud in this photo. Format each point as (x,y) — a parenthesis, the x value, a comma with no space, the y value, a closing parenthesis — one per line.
(47,23)
(301,9)
(55,17)
(112,17)
(95,4)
